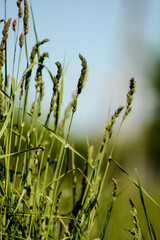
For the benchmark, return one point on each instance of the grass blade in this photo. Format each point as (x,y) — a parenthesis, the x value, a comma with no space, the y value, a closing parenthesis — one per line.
(134,181)
(108,216)
(150,227)
(8,118)
(18,153)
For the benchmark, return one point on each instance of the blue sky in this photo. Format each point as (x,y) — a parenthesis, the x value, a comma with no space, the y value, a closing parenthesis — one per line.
(117,37)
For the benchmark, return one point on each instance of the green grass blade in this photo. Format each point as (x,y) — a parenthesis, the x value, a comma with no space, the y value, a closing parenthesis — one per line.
(8,119)
(108,216)
(140,234)
(33,21)
(59,138)
(134,181)
(18,153)
(150,227)
(2,188)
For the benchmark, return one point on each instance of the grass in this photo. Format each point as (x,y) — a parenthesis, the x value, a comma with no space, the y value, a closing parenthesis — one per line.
(37,160)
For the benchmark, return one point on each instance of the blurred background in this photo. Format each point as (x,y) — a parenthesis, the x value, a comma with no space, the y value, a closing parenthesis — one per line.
(120,40)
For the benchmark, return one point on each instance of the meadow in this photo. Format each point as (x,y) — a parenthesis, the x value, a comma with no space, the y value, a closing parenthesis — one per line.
(49,188)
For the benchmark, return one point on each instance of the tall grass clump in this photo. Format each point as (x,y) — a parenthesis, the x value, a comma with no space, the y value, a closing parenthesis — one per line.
(36,158)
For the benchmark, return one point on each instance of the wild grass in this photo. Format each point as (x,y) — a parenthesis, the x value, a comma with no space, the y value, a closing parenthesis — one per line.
(37,159)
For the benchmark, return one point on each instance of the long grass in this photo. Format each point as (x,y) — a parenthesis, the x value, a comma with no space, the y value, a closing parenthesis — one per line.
(37,159)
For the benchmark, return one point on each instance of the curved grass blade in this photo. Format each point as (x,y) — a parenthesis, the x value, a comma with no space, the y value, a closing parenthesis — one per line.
(18,153)
(134,181)
(150,227)
(33,21)
(59,138)
(64,174)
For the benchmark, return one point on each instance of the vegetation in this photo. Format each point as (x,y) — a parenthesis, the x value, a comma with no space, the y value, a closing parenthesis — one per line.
(36,159)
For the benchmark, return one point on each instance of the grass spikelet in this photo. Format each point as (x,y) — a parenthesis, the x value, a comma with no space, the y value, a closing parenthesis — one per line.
(129,98)
(21,40)
(14,24)
(108,129)
(136,231)
(38,78)
(59,70)
(25,18)
(1,104)
(5,30)
(83,74)
(35,50)
(19,3)
(108,215)
(134,214)
(20,12)
(2,56)
(80,82)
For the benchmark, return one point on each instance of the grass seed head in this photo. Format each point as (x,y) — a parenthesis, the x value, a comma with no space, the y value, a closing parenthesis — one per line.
(114,193)
(112,121)
(83,74)
(26,16)
(1,103)
(21,40)
(34,52)
(134,214)
(129,98)
(74,102)
(2,58)
(5,30)
(19,3)
(32,108)
(59,71)
(14,24)
(57,78)
(20,12)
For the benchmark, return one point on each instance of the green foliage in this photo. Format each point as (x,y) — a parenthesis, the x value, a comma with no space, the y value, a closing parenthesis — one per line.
(36,158)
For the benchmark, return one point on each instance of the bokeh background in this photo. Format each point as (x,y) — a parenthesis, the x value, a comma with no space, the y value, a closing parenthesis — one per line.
(120,40)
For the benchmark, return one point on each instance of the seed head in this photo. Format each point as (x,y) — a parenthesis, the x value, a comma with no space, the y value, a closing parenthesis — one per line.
(26,16)
(21,40)
(74,102)
(35,50)
(2,58)
(1,102)
(112,121)
(57,78)
(19,3)
(83,74)
(32,108)
(59,70)
(14,25)
(2,46)
(114,193)
(20,12)
(129,98)
(5,30)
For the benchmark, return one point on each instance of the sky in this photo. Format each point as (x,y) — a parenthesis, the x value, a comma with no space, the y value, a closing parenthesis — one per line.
(118,38)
